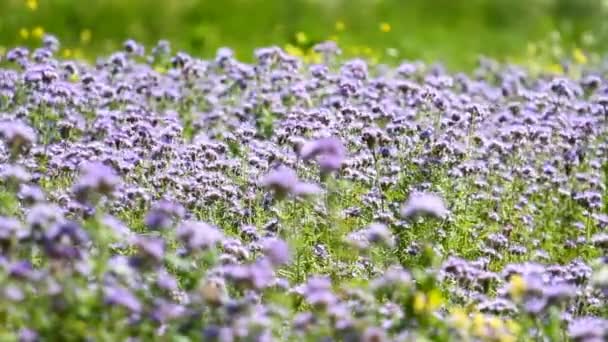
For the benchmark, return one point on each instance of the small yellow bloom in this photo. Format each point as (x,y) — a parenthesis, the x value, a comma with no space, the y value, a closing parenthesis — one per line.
(385,27)
(513,326)
(160,69)
(38,32)
(460,320)
(301,38)
(495,323)
(579,56)
(77,53)
(24,33)
(85,36)
(66,53)
(555,68)
(340,26)
(419,302)
(479,324)
(32,4)
(313,57)
(504,337)
(435,299)
(517,286)
(294,50)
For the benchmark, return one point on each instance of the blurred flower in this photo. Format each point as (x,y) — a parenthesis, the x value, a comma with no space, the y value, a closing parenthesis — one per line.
(17,136)
(24,33)
(385,27)
(32,5)
(588,329)
(276,250)
(284,181)
(38,32)
(328,152)
(199,235)
(424,204)
(85,36)
(119,296)
(517,287)
(95,179)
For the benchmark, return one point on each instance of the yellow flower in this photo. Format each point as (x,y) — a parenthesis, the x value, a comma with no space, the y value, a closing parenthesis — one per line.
(32,4)
(294,50)
(555,68)
(160,69)
(504,337)
(340,26)
(435,299)
(38,32)
(513,326)
(85,36)
(517,286)
(479,324)
(313,57)
(301,38)
(385,27)
(419,302)
(460,320)
(579,56)
(24,33)
(495,323)
(66,53)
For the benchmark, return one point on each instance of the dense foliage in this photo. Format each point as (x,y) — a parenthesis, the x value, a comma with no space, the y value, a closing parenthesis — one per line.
(156,196)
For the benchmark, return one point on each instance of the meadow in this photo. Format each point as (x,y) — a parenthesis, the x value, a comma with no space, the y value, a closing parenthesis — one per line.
(168,191)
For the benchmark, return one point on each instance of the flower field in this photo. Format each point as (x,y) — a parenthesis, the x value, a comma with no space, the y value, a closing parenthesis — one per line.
(152,195)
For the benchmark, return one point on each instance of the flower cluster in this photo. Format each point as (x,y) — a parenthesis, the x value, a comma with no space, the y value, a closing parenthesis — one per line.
(155,195)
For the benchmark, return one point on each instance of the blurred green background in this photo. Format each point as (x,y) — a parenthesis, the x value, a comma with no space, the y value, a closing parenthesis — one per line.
(452,31)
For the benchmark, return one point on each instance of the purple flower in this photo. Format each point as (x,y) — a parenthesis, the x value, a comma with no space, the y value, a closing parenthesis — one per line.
(151,250)
(588,329)
(283,181)
(424,204)
(162,215)
(119,296)
(276,250)
(65,240)
(95,179)
(329,153)
(17,136)
(199,235)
